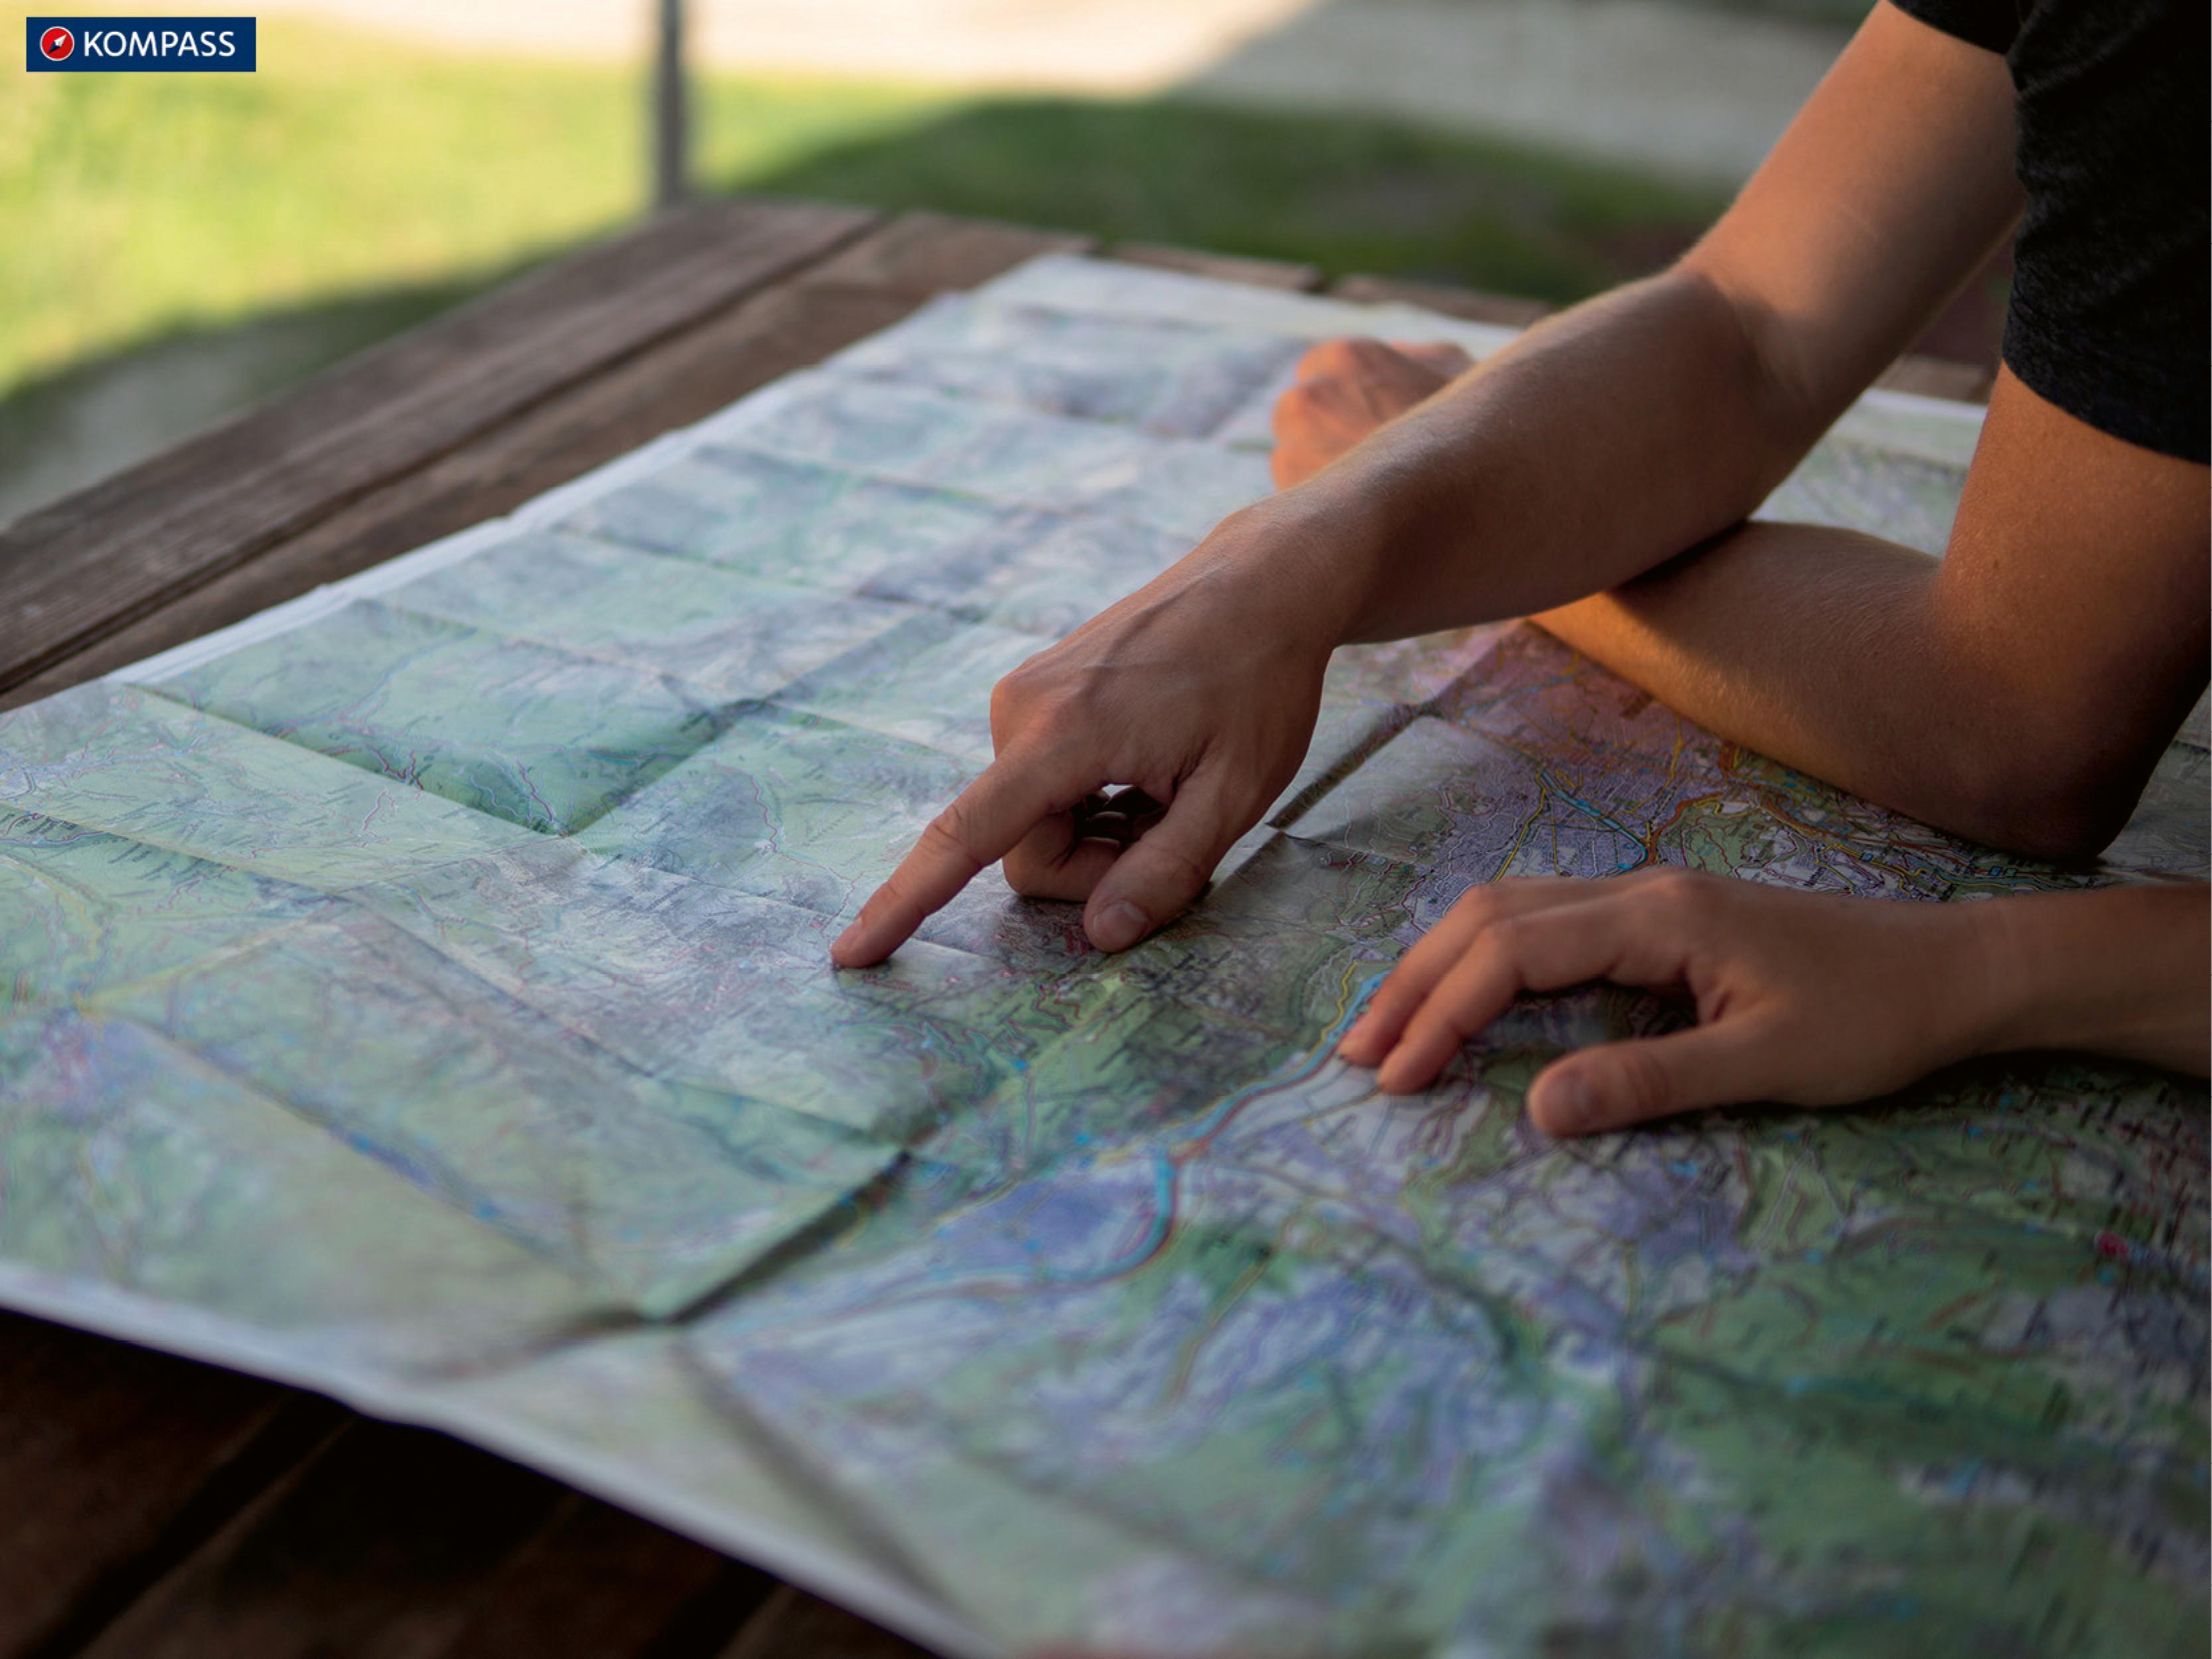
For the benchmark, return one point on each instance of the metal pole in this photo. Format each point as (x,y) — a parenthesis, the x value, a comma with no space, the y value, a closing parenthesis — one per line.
(671,118)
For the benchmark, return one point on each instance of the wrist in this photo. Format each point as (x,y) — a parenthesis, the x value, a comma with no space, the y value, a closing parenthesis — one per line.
(1319,552)
(2044,981)
(2115,970)
(1991,973)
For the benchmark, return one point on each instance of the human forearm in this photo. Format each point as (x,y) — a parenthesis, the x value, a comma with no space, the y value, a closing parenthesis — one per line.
(2121,971)
(1647,420)
(1812,645)
(1859,661)
(1504,493)
(1609,439)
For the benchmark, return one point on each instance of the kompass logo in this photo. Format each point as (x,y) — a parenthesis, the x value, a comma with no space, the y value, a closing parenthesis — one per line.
(78,46)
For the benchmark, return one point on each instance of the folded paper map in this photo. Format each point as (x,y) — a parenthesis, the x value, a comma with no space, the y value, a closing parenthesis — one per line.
(420,992)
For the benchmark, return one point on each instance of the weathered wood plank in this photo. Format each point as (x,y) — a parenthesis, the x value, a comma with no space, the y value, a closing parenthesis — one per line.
(130,1469)
(677,381)
(136,541)
(1503,309)
(1939,377)
(919,254)
(1227,267)
(117,1461)
(796,1625)
(383,1545)
(400,1543)
(601,1582)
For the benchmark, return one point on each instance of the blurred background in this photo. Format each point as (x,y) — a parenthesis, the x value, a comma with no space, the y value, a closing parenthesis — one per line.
(177,247)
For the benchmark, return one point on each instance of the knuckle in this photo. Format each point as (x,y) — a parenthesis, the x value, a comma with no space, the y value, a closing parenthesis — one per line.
(1006,708)
(954,829)
(1393,997)
(1305,408)
(1508,937)
(1030,704)
(1482,905)
(1446,1016)
(1349,354)
(1029,881)
(1329,357)
(1017,686)
(1678,891)
(1642,1083)
(1023,867)
(1332,399)
(1178,866)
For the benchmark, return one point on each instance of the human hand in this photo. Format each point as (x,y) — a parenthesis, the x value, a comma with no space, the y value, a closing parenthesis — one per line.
(1345,389)
(1199,691)
(1807,999)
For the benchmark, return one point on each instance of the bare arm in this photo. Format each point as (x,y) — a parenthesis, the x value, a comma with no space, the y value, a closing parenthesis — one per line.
(1615,435)
(1606,442)
(2018,691)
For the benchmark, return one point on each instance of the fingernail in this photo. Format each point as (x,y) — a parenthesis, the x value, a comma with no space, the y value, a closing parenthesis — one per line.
(845,939)
(1573,1109)
(1120,925)
(1354,1037)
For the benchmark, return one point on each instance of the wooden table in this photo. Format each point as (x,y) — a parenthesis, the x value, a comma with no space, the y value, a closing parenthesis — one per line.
(155,1508)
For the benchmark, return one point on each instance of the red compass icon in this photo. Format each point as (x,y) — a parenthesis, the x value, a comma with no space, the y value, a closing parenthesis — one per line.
(58,43)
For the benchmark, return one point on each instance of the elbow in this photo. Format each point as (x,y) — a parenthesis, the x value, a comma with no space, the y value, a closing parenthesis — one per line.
(2062,801)
(2059,827)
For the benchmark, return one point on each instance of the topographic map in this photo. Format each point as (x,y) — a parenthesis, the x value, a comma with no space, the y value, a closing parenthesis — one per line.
(420,993)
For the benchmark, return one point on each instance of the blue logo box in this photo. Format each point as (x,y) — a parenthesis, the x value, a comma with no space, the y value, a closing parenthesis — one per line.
(81,46)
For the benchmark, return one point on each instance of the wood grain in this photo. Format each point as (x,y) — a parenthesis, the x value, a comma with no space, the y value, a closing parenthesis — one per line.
(796,1625)
(599,1581)
(1939,377)
(674,382)
(115,1461)
(1224,267)
(140,539)
(385,1544)
(1500,308)
(920,255)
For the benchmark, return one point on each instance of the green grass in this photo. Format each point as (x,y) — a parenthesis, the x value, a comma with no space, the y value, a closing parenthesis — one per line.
(179,246)
(134,204)
(1344,194)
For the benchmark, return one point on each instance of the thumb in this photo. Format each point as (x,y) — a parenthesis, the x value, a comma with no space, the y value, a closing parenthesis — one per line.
(1162,870)
(1617,1084)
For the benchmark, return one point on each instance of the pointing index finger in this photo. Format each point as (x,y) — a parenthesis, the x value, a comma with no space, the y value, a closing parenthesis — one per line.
(985,823)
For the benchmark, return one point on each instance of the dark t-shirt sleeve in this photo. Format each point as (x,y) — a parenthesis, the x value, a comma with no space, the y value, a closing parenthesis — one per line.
(2110,297)
(1989,24)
